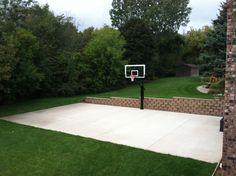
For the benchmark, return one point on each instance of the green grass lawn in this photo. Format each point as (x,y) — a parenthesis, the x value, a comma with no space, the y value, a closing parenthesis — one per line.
(27,151)
(163,88)
(37,104)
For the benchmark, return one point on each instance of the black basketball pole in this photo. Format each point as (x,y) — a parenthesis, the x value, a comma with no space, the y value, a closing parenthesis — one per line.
(141,95)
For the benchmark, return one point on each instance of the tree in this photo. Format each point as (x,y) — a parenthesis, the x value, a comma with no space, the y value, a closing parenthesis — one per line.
(164,18)
(42,54)
(85,37)
(7,58)
(104,57)
(13,13)
(26,76)
(214,52)
(195,40)
(8,62)
(59,45)
(170,48)
(162,15)
(38,52)
(68,71)
(139,43)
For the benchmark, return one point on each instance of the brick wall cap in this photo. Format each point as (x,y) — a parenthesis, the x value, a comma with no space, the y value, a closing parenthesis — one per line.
(97,98)
(124,98)
(188,98)
(153,98)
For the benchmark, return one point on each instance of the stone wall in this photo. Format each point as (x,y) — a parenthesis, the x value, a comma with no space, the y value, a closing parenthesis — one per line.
(229,147)
(178,104)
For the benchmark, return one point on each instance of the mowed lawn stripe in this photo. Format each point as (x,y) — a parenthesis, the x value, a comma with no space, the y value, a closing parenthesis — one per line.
(28,151)
(37,104)
(163,88)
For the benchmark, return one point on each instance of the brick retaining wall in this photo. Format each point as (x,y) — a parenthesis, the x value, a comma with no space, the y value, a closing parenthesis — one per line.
(177,104)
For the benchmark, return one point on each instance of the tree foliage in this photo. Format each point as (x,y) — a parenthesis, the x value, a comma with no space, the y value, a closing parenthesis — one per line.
(27,76)
(214,51)
(7,57)
(195,40)
(85,37)
(162,15)
(42,54)
(105,59)
(140,43)
(150,28)
(170,48)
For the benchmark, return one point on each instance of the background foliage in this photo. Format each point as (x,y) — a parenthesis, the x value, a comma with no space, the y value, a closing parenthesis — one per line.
(195,40)
(161,15)
(150,28)
(44,55)
(140,44)
(104,57)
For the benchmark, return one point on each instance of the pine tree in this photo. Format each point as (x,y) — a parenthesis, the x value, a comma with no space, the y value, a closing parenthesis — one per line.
(214,53)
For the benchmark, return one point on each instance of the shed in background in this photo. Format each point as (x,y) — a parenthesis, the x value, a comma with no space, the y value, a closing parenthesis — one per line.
(187,70)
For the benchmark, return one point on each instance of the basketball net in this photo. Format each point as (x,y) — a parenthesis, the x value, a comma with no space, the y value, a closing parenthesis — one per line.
(132,77)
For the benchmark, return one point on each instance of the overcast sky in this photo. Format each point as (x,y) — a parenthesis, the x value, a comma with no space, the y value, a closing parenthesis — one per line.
(96,12)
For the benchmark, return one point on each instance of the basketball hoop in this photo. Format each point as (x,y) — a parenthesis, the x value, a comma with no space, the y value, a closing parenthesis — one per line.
(137,72)
(132,77)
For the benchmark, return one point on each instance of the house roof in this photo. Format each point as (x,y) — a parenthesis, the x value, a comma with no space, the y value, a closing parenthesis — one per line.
(191,65)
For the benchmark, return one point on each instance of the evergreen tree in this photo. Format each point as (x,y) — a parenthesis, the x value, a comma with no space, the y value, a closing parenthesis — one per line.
(214,52)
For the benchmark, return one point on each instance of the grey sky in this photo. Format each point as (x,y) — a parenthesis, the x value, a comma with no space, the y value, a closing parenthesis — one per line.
(96,12)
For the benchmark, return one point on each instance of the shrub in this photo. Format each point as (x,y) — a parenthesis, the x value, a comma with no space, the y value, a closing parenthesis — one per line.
(104,57)
(218,88)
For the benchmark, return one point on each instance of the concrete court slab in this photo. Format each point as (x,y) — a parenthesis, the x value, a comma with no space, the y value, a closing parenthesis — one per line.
(185,135)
